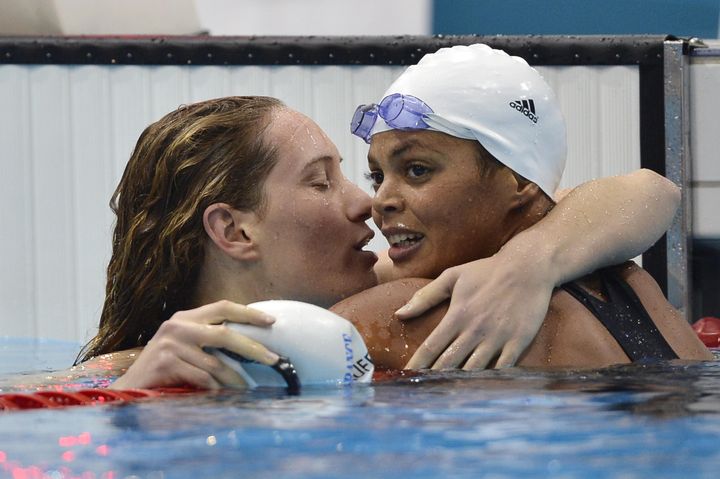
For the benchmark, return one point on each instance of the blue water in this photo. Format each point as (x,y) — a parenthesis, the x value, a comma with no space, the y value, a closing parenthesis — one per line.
(32,355)
(652,420)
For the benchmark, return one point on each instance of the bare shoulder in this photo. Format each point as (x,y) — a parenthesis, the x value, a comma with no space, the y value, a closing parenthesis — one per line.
(571,337)
(671,324)
(115,363)
(383,298)
(391,342)
(105,366)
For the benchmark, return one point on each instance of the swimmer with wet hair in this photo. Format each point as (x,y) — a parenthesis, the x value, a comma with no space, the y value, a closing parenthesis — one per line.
(466,151)
(236,200)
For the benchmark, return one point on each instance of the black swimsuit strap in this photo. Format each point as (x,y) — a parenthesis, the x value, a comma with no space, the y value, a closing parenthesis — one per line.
(625,317)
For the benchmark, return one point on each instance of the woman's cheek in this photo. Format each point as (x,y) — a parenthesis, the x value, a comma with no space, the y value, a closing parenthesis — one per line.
(313,218)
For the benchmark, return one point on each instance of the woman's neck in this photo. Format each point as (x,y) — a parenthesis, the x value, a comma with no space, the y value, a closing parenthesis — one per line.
(535,211)
(220,279)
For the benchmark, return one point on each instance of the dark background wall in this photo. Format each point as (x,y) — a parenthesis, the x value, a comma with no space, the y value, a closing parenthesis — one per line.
(683,18)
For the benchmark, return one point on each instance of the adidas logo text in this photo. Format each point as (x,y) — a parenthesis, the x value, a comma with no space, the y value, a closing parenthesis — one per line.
(526,107)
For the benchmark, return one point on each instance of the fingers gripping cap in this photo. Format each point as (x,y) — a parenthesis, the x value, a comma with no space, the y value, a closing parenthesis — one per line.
(477,92)
(324,348)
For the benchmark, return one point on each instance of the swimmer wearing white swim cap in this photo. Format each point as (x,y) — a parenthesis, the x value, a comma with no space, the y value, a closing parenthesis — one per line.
(466,150)
(478,93)
(218,234)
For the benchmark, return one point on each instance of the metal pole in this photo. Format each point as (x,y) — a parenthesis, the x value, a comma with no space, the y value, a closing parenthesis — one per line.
(678,169)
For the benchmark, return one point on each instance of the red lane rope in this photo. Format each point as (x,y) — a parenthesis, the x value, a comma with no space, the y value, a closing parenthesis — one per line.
(83,397)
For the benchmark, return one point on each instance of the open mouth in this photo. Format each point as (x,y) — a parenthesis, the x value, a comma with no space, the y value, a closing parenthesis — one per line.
(403,240)
(404,245)
(368,257)
(365,241)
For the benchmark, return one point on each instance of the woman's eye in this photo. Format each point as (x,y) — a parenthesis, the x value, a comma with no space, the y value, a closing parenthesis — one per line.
(375,178)
(321,184)
(416,171)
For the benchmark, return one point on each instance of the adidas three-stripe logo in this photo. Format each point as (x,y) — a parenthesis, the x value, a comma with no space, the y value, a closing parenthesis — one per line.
(526,107)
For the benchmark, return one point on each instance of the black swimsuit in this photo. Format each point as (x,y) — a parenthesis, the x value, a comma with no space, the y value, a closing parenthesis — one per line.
(624,316)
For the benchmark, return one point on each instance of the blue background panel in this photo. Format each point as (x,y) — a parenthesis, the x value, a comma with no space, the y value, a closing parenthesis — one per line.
(683,18)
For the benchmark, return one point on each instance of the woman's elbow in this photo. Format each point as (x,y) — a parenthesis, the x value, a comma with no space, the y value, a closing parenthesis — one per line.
(661,189)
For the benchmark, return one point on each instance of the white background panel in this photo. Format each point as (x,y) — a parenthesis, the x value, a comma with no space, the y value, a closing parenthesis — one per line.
(602,114)
(705,101)
(94,180)
(53,214)
(17,287)
(67,132)
(706,220)
(705,145)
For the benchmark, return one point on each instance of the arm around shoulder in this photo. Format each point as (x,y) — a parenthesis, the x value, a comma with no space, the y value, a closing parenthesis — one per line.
(606,221)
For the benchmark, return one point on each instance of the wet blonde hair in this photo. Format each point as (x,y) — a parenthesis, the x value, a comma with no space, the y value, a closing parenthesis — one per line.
(204,153)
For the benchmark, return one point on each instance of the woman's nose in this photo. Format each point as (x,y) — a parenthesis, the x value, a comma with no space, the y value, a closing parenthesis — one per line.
(387,199)
(359,203)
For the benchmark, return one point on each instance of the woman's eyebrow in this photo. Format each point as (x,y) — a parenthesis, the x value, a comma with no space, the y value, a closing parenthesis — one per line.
(411,144)
(320,159)
(403,148)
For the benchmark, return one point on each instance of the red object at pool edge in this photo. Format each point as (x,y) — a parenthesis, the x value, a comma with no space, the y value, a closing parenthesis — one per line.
(708,330)
(83,397)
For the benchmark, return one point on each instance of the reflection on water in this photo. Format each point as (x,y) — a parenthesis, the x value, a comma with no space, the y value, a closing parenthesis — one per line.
(639,420)
(659,390)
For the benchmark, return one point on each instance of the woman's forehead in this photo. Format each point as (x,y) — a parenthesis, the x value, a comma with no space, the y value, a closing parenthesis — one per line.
(396,143)
(298,140)
(290,126)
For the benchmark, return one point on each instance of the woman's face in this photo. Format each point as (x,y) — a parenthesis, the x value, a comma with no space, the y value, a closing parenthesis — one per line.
(432,204)
(313,224)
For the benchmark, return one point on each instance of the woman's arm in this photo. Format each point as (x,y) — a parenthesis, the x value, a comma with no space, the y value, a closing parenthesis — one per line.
(176,355)
(498,303)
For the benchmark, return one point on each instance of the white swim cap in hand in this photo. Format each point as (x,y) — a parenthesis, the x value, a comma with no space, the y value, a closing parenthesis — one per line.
(324,348)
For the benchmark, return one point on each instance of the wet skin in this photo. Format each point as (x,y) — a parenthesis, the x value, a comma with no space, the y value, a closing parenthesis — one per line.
(314,222)
(570,337)
(438,211)
(431,205)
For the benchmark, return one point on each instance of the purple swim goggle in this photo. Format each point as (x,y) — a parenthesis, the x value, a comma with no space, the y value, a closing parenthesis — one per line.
(401,112)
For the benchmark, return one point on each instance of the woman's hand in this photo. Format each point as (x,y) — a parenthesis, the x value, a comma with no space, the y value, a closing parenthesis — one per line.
(499,303)
(497,306)
(176,355)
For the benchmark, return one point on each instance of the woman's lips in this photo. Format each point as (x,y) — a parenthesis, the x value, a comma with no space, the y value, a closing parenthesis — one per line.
(368,256)
(403,245)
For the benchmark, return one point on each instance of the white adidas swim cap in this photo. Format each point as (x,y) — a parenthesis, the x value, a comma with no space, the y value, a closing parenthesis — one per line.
(477,92)
(324,348)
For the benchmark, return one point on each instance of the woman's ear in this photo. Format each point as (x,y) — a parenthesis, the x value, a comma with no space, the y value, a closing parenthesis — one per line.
(525,191)
(232,230)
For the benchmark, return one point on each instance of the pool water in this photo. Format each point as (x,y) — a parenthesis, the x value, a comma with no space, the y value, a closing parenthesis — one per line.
(641,420)
(32,355)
